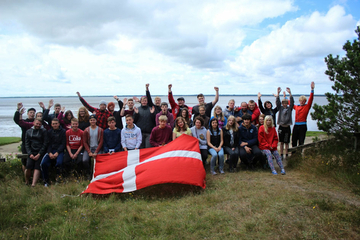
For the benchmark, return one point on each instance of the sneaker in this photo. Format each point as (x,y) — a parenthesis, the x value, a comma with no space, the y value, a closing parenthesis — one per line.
(231,170)
(274,172)
(283,171)
(222,171)
(213,173)
(46,184)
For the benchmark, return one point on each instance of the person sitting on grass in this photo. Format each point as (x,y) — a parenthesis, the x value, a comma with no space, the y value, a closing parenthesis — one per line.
(130,135)
(284,121)
(55,151)
(35,143)
(74,147)
(112,137)
(93,143)
(180,128)
(249,151)
(268,141)
(200,132)
(162,134)
(215,142)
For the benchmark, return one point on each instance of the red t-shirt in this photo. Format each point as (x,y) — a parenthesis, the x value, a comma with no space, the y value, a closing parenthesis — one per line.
(74,139)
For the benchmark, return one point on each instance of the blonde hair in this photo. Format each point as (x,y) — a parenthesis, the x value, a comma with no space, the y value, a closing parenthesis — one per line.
(301,98)
(163,118)
(233,127)
(222,117)
(265,124)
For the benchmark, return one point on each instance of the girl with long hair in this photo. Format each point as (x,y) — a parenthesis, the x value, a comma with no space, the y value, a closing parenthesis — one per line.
(268,141)
(180,128)
(65,119)
(219,115)
(231,142)
(185,115)
(215,142)
(83,117)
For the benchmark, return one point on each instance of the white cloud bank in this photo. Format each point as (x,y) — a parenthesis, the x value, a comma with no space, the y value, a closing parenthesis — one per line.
(58,48)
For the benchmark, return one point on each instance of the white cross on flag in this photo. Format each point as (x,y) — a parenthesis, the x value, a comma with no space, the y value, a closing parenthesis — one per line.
(177,162)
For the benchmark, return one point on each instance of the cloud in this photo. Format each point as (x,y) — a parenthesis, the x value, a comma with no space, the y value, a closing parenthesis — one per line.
(200,34)
(297,49)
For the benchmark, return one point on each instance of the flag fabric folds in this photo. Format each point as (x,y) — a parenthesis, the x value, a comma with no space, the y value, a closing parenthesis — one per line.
(177,162)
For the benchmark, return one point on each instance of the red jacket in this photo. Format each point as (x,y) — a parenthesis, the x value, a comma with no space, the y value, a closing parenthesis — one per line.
(86,139)
(175,107)
(267,140)
(255,115)
(302,111)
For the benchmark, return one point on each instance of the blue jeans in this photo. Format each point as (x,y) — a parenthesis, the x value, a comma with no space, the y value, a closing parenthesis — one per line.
(214,155)
(46,163)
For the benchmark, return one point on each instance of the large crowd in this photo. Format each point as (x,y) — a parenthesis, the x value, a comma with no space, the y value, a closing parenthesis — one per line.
(68,143)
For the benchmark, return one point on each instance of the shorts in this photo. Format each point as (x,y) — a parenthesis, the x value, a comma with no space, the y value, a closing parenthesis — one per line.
(284,134)
(32,164)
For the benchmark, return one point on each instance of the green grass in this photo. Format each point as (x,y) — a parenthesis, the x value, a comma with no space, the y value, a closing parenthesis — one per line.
(8,140)
(315,133)
(307,203)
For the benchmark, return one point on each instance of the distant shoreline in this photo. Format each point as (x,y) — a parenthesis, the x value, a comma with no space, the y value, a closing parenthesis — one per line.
(185,95)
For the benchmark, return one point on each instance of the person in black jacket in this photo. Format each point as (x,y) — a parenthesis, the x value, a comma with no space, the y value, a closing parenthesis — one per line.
(35,144)
(55,151)
(231,142)
(267,108)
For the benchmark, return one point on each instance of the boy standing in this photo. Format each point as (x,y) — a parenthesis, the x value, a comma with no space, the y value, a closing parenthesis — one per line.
(112,137)
(301,112)
(284,121)
(131,137)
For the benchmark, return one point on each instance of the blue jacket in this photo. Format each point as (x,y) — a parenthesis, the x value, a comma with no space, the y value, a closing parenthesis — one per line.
(248,135)
(112,140)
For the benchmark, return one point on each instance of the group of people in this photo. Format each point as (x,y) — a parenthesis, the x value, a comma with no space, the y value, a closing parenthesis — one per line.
(248,131)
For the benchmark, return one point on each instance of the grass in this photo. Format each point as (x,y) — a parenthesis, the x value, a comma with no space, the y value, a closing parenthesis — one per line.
(8,140)
(304,204)
(315,133)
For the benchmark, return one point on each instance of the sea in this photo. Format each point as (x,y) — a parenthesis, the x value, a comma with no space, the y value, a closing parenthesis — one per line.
(8,128)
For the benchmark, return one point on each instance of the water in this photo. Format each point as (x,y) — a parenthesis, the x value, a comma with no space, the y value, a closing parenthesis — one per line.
(8,107)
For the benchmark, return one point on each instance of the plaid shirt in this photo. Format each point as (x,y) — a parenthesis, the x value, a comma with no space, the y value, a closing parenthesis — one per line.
(101,116)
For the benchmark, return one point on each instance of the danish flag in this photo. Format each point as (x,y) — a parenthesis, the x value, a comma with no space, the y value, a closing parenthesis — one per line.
(121,172)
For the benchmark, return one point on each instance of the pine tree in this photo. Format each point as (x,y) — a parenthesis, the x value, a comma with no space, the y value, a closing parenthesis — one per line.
(341,116)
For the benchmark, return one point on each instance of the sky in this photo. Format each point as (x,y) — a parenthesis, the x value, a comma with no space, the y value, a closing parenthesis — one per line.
(56,48)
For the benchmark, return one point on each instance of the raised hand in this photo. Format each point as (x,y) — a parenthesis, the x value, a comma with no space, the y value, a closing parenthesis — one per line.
(51,103)
(147,86)
(152,109)
(22,111)
(78,94)
(19,105)
(42,105)
(259,95)
(312,85)
(170,86)
(216,89)
(136,99)
(116,98)
(136,110)
(125,101)
(63,108)
(288,90)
